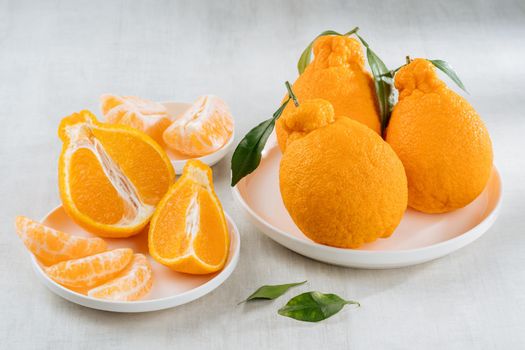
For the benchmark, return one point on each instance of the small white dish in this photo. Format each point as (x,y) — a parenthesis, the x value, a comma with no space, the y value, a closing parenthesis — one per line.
(419,237)
(169,289)
(178,160)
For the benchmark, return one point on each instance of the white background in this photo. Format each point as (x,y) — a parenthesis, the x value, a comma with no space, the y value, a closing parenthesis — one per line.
(57,57)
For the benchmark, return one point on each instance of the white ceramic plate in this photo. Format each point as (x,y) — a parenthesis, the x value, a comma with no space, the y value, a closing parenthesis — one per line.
(169,289)
(178,160)
(419,237)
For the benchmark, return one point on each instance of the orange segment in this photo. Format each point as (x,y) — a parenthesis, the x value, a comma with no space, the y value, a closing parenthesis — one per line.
(188,231)
(131,284)
(147,116)
(204,128)
(90,271)
(51,246)
(110,176)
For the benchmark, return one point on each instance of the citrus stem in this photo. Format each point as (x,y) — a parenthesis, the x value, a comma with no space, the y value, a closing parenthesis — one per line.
(353,31)
(408,59)
(291,94)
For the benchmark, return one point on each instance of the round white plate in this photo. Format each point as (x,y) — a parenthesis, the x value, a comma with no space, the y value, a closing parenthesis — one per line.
(169,289)
(419,237)
(178,160)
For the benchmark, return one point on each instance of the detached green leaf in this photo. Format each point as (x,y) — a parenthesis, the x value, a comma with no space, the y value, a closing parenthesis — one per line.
(448,70)
(314,306)
(271,292)
(247,155)
(383,81)
(306,56)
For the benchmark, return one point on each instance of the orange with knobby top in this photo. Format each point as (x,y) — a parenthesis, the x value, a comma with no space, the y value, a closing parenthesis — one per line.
(337,74)
(342,185)
(441,140)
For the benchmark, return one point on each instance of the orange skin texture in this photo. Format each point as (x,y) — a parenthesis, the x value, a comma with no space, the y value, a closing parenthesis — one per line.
(309,116)
(337,74)
(343,185)
(442,142)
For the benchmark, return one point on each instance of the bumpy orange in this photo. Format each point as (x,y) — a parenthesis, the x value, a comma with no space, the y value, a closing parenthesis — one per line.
(341,183)
(337,74)
(110,176)
(442,142)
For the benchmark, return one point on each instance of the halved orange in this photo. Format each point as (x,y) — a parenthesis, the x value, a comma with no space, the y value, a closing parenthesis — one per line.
(111,177)
(131,284)
(92,270)
(51,246)
(188,231)
(147,116)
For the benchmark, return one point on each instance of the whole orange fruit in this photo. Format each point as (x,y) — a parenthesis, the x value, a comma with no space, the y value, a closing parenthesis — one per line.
(441,140)
(343,185)
(337,74)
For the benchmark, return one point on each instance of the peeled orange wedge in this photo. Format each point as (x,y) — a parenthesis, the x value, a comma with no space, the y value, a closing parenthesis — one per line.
(131,284)
(148,116)
(188,231)
(204,128)
(51,246)
(90,271)
(110,176)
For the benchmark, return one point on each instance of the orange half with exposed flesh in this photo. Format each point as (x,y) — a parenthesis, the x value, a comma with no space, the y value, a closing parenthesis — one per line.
(188,231)
(111,177)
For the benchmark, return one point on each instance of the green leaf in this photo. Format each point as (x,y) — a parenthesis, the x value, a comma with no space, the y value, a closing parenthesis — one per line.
(314,306)
(306,56)
(448,70)
(247,155)
(383,82)
(271,292)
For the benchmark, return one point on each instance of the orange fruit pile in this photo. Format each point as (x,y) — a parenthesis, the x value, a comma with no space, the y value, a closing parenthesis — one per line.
(188,231)
(85,264)
(110,176)
(337,74)
(204,128)
(442,142)
(340,182)
(147,116)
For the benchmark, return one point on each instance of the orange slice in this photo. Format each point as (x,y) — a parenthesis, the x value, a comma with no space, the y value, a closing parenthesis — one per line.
(131,284)
(147,116)
(188,231)
(92,270)
(204,128)
(111,177)
(51,246)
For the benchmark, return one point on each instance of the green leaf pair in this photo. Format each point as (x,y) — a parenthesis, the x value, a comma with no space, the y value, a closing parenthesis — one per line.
(309,307)
(314,306)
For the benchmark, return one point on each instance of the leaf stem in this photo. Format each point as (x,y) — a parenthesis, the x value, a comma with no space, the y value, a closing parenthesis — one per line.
(291,94)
